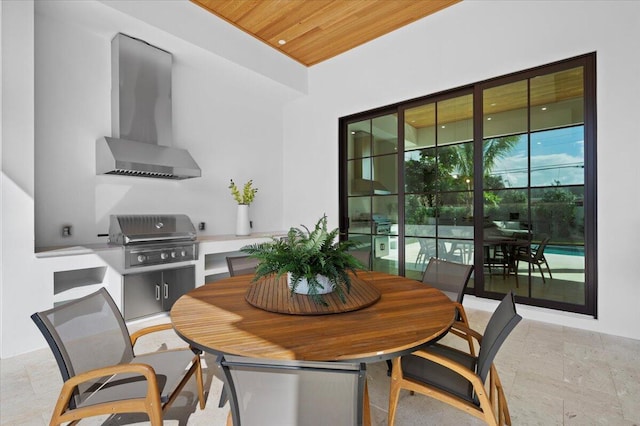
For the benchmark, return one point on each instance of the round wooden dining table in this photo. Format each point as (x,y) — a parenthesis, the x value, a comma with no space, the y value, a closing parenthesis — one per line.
(217,318)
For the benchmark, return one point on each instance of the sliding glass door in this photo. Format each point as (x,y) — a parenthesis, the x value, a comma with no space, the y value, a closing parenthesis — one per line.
(499,174)
(533,135)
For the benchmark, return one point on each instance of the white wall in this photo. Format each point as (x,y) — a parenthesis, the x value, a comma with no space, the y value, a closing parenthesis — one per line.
(19,280)
(56,103)
(469,42)
(228,117)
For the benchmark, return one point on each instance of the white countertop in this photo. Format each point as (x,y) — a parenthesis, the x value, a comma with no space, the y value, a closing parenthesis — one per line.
(75,250)
(55,251)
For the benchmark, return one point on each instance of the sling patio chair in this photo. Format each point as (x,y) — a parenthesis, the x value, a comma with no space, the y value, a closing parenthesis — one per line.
(282,392)
(241,265)
(452,279)
(534,256)
(102,375)
(457,378)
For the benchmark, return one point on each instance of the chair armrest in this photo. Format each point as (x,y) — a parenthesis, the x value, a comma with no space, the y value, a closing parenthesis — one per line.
(142,369)
(148,330)
(66,393)
(456,367)
(462,330)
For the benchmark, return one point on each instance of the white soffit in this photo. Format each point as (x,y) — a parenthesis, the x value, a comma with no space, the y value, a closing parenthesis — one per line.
(195,25)
(188,22)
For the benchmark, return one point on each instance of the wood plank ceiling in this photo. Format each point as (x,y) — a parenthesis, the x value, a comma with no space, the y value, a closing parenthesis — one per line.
(312,31)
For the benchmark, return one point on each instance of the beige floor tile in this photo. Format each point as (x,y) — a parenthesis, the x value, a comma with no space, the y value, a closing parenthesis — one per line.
(553,375)
(627,383)
(589,374)
(589,411)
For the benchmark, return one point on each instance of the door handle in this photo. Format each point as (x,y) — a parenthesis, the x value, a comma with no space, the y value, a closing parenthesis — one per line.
(166,290)
(157,292)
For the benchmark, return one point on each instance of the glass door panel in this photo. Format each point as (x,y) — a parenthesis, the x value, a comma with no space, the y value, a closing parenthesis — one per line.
(438,172)
(359,139)
(372,189)
(384,174)
(360,215)
(455,120)
(557,99)
(420,127)
(505,109)
(385,134)
(558,156)
(533,173)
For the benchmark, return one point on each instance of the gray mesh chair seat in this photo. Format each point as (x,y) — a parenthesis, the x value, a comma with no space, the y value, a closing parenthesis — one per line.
(102,375)
(457,378)
(434,374)
(170,364)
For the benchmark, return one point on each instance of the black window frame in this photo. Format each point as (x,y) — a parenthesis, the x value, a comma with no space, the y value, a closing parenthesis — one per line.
(588,62)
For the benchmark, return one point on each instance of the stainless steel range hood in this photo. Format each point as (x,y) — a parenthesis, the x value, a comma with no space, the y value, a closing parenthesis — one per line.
(141,142)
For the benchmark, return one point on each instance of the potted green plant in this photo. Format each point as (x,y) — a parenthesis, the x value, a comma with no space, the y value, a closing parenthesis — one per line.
(244,198)
(314,261)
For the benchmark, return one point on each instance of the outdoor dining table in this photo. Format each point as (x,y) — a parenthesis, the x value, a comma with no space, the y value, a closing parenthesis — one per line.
(508,247)
(221,318)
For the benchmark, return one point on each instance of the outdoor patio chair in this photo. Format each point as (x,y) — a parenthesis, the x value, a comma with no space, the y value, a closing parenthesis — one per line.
(451,278)
(278,392)
(102,375)
(364,257)
(241,265)
(534,256)
(457,378)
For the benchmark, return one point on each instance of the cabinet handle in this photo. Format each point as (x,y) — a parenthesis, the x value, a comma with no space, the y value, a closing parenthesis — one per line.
(157,292)
(166,290)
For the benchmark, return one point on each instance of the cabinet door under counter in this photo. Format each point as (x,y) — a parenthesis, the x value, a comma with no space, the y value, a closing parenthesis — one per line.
(148,293)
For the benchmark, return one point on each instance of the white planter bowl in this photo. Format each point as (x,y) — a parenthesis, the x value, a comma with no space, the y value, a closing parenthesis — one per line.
(303,285)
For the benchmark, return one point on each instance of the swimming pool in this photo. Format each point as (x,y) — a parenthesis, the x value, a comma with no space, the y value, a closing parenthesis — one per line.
(566,250)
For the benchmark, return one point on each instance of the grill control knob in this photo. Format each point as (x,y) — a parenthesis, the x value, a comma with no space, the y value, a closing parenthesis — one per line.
(173,254)
(142,258)
(163,255)
(183,253)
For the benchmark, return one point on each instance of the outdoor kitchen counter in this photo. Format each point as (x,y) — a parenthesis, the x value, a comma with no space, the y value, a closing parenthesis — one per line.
(81,249)
(55,251)
(228,237)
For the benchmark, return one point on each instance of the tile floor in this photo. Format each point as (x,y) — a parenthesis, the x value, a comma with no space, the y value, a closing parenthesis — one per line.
(553,375)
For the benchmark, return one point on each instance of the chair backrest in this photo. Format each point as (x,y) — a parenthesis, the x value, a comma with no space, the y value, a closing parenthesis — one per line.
(363,256)
(502,321)
(449,277)
(85,334)
(540,250)
(242,265)
(263,391)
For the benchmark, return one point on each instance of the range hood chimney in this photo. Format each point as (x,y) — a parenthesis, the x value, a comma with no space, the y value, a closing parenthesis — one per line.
(141,142)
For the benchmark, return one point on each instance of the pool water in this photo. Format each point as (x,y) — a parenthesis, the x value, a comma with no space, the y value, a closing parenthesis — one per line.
(566,250)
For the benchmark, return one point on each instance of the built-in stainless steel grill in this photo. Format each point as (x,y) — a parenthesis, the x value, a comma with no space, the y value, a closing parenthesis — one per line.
(154,239)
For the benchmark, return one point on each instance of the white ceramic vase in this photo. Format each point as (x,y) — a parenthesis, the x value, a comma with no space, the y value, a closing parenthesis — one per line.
(242,220)
(303,285)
